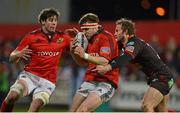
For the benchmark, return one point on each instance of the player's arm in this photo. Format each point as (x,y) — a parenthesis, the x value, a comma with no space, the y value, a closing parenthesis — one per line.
(118,62)
(130,52)
(22,51)
(16,55)
(98,60)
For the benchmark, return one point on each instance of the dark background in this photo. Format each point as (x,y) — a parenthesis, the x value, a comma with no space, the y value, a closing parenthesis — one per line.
(115,9)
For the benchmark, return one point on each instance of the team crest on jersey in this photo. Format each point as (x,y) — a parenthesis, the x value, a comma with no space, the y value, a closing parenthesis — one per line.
(130,43)
(97,40)
(37,40)
(60,40)
(130,49)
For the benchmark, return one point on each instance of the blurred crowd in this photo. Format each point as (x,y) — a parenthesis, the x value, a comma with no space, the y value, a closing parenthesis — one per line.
(71,72)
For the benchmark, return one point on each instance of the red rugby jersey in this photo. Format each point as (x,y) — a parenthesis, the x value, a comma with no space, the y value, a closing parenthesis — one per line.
(103,44)
(45,53)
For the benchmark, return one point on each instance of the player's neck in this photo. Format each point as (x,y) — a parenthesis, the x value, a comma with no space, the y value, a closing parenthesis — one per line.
(46,32)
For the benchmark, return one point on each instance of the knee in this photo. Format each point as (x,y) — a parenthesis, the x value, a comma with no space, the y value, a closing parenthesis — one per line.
(18,88)
(43,96)
(12,96)
(146,107)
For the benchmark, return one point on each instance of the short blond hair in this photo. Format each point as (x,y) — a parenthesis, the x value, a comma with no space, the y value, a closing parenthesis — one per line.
(126,25)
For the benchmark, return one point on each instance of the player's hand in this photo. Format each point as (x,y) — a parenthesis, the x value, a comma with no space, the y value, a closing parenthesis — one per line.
(73,44)
(24,53)
(71,32)
(101,70)
(79,51)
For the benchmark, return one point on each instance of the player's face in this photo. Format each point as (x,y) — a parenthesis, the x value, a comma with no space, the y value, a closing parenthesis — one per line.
(89,32)
(51,24)
(118,32)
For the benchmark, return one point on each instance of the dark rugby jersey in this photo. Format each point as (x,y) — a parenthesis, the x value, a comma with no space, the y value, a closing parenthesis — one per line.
(141,53)
(46,53)
(103,44)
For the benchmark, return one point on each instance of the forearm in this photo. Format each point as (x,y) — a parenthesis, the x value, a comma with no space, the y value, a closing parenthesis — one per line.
(79,60)
(95,59)
(120,61)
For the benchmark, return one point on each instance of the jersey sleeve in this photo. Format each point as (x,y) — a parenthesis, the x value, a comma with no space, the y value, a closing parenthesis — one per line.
(106,48)
(67,39)
(132,48)
(23,43)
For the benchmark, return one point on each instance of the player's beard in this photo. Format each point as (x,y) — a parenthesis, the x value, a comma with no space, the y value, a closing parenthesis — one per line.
(120,42)
(120,39)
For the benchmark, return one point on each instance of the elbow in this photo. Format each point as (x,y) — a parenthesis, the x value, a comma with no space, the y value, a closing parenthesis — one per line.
(11,59)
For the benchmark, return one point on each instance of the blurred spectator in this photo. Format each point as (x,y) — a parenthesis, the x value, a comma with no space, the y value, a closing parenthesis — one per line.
(176,64)
(169,50)
(155,43)
(176,60)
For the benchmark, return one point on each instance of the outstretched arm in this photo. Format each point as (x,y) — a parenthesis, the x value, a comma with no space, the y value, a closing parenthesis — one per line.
(98,60)
(24,54)
(119,62)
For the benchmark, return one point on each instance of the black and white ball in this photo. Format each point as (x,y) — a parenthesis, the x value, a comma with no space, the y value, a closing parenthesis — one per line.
(82,40)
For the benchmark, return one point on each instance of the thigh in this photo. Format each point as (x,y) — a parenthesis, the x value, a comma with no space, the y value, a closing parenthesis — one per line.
(44,86)
(105,91)
(85,88)
(162,106)
(152,97)
(77,101)
(102,93)
(26,82)
(92,101)
(42,92)
(81,95)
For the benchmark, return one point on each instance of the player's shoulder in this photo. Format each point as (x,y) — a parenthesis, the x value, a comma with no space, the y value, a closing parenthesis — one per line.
(107,33)
(136,40)
(59,32)
(104,34)
(36,31)
(62,35)
(31,34)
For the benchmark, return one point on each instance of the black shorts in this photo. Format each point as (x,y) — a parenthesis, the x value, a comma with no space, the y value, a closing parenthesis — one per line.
(162,83)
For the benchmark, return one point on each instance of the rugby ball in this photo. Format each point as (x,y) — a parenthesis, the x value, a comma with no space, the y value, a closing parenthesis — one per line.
(82,40)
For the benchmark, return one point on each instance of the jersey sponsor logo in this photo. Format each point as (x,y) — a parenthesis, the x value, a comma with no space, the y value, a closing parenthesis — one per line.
(60,40)
(130,43)
(130,49)
(42,53)
(105,49)
(94,54)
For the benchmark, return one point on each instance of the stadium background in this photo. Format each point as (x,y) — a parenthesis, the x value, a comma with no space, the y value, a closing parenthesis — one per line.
(157,22)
